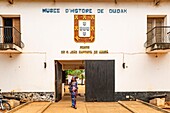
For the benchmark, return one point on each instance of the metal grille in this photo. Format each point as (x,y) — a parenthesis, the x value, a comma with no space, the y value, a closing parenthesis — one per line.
(10,35)
(158,35)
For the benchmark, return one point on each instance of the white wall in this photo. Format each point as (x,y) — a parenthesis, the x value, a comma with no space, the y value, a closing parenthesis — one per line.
(25,72)
(51,33)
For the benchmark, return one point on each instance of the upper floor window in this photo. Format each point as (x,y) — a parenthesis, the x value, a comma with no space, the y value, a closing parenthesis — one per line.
(153,22)
(10,30)
(156,29)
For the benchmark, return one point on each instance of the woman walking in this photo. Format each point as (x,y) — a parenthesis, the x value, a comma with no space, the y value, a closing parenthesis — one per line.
(73,90)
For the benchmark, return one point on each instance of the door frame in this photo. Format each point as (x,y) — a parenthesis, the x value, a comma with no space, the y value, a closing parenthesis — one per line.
(56,62)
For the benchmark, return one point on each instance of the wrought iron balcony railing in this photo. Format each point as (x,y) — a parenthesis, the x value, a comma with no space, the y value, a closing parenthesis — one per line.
(159,35)
(10,36)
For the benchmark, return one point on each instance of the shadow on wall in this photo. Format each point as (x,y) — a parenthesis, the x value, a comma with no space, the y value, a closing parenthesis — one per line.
(158,55)
(9,56)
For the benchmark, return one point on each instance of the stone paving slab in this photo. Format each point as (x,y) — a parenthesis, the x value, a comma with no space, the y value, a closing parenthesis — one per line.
(139,107)
(34,107)
(64,106)
(86,108)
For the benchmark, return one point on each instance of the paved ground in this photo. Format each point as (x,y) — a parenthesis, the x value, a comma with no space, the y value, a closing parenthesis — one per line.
(34,107)
(64,106)
(138,107)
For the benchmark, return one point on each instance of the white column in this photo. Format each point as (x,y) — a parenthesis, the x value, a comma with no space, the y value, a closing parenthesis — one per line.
(1,30)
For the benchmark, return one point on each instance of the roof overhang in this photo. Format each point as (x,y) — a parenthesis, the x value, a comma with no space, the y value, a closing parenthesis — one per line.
(72,64)
(156,2)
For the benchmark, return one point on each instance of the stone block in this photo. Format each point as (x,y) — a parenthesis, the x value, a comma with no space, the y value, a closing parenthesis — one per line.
(14,103)
(158,101)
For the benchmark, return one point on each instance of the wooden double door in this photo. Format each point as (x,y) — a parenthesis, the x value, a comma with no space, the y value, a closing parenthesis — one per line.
(99,80)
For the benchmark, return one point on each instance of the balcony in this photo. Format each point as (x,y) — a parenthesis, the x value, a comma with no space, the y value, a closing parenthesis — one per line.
(158,40)
(10,40)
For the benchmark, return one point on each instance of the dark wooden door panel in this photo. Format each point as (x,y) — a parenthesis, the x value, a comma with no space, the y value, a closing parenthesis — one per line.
(58,81)
(99,80)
